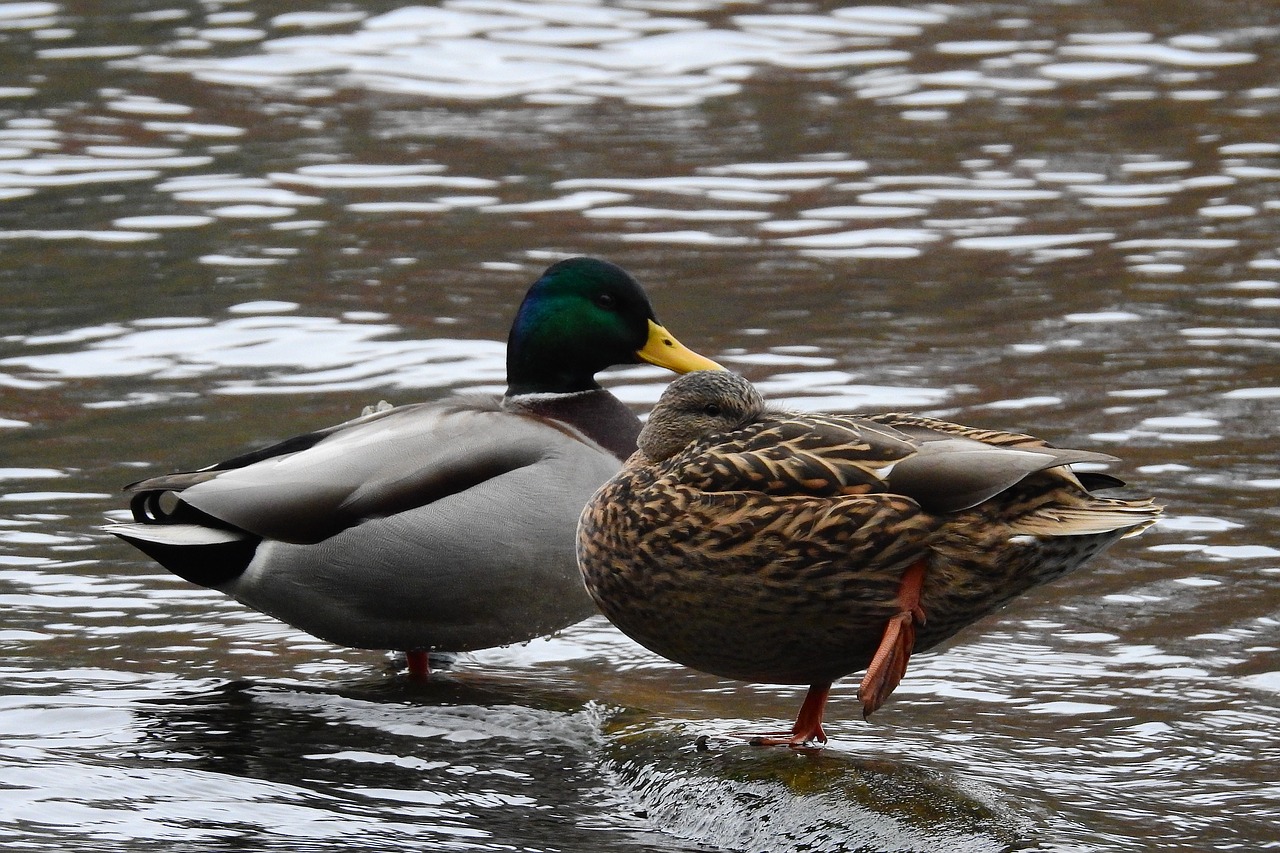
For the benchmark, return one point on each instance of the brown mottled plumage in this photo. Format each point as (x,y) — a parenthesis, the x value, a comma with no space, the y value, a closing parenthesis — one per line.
(797,548)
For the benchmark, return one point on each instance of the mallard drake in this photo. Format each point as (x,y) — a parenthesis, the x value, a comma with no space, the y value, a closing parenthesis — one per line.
(436,526)
(790,548)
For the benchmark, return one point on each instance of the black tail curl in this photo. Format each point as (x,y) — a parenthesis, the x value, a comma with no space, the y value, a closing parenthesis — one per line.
(149,508)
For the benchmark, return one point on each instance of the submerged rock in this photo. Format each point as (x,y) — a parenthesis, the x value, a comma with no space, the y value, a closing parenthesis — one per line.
(731,795)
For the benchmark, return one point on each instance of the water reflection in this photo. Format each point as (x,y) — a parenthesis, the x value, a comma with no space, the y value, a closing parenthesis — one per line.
(222,224)
(573,55)
(203,763)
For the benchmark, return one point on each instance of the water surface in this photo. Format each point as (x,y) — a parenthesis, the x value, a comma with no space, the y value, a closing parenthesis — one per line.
(223,223)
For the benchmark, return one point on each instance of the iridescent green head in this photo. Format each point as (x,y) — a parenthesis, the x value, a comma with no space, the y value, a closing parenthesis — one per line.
(582,316)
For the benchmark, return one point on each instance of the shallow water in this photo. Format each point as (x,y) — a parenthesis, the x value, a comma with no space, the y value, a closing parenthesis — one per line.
(223,223)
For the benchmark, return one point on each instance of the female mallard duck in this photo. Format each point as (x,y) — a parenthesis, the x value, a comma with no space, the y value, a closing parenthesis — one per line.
(445,525)
(797,548)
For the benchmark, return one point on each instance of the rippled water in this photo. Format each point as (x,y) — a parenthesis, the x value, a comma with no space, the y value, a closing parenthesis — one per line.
(223,223)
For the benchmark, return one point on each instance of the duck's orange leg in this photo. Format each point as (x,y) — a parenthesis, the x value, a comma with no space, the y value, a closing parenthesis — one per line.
(419,664)
(890,661)
(808,725)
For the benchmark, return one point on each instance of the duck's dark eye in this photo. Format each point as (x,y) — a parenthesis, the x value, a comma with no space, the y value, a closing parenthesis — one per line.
(606,300)
(711,410)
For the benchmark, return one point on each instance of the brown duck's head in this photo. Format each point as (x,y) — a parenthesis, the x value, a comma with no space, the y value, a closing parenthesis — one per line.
(696,405)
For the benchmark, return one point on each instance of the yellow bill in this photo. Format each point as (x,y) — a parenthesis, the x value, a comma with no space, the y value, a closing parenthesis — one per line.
(664,350)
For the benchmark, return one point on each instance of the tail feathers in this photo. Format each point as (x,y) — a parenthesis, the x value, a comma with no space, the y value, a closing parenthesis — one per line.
(171,482)
(206,556)
(179,535)
(1098,517)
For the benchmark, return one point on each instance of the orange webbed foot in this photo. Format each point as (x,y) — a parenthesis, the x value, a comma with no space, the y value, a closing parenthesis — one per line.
(889,664)
(807,732)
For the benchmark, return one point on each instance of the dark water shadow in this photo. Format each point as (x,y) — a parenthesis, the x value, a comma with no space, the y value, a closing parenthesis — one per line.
(525,754)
